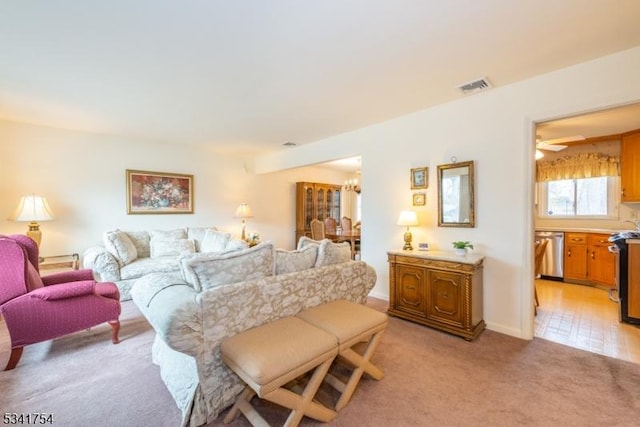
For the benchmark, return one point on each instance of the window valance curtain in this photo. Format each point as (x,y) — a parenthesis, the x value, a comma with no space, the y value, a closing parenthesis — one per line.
(588,165)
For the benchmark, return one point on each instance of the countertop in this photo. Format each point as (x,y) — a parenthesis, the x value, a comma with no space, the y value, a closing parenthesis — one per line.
(582,230)
(469,258)
(633,241)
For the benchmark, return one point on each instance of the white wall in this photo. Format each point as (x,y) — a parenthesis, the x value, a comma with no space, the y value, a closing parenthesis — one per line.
(83,177)
(496,130)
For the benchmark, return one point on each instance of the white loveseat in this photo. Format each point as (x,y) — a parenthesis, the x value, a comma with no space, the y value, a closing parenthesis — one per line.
(218,296)
(129,255)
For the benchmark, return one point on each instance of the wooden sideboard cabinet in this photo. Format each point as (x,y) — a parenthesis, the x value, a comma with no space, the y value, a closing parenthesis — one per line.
(437,289)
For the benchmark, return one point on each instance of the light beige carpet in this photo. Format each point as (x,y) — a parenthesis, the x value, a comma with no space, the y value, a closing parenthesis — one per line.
(432,378)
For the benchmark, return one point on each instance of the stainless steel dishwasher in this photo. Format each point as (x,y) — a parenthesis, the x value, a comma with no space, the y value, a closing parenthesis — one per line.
(553,261)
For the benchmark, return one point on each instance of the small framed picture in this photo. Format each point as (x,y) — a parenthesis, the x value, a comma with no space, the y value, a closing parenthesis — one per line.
(419,199)
(418,178)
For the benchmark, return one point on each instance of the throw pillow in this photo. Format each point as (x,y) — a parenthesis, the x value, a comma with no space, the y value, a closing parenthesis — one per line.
(305,241)
(171,247)
(34,281)
(214,241)
(118,244)
(298,260)
(140,240)
(236,245)
(178,233)
(205,271)
(197,234)
(333,253)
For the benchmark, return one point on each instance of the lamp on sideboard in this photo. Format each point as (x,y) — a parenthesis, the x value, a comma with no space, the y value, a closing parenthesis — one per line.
(244,212)
(33,209)
(408,219)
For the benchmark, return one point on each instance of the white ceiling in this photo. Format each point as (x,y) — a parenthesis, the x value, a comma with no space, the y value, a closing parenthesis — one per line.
(249,75)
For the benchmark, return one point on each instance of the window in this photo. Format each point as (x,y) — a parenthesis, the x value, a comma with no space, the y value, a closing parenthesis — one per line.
(580,198)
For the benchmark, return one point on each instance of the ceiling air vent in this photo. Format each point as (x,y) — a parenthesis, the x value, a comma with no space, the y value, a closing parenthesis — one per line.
(289,144)
(475,86)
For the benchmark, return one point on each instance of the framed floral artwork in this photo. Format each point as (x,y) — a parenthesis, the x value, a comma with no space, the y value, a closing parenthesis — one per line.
(419,199)
(159,193)
(419,178)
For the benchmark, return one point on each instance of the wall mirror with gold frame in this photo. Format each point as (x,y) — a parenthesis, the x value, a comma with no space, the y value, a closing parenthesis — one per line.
(456,204)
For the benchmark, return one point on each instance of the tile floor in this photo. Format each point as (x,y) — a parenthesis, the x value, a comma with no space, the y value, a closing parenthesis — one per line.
(584,317)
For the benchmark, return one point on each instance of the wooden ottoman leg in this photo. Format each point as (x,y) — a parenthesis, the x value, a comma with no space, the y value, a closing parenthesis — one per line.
(242,405)
(363,365)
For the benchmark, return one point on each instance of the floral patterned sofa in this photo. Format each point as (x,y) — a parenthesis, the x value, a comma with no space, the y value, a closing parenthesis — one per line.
(127,256)
(217,296)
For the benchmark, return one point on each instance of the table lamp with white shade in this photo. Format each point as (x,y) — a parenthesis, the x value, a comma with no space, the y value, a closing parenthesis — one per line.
(33,208)
(244,212)
(408,219)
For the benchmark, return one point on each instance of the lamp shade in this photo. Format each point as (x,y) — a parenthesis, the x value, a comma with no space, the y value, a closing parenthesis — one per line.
(408,218)
(33,208)
(244,211)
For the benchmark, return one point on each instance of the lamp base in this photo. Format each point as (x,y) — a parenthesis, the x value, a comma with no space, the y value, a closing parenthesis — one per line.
(34,232)
(407,241)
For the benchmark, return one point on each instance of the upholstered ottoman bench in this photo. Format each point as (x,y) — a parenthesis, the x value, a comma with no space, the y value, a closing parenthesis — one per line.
(352,324)
(270,356)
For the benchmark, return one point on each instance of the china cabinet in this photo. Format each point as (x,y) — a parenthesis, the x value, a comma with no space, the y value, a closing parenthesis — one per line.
(437,289)
(315,201)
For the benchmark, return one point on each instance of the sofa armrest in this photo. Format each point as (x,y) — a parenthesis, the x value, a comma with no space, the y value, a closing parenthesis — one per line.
(169,304)
(101,262)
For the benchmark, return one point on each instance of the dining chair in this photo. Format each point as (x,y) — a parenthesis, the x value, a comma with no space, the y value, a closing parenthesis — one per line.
(330,225)
(346,223)
(540,248)
(317,229)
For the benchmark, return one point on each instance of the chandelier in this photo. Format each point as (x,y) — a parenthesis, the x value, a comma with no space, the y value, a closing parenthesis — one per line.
(351,185)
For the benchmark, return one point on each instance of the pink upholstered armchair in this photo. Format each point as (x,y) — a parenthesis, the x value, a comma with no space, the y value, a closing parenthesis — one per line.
(38,308)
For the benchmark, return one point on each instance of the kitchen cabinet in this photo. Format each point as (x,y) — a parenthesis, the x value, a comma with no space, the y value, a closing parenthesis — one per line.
(630,167)
(633,305)
(575,256)
(315,201)
(437,289)
(601,264)
(587,259)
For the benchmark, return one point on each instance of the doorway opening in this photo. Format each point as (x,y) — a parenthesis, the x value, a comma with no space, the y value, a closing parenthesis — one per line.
(574,308)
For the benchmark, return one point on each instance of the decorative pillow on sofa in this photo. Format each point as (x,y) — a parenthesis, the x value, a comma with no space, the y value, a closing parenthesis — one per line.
(178,233)
(236,245)
(171,247)
(118,244)
(305,241)
(140,240)
(333,253)
(205,271)
(197,234)
(298,260)
(215,241)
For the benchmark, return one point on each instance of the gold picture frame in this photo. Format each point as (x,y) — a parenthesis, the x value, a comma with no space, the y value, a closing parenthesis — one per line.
(419,199)
(419,178)
(159,193)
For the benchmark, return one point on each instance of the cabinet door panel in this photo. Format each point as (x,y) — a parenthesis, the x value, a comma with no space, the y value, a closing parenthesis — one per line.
(630,167)
(602,263)
(575,261)
(446,296)
(410,293)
